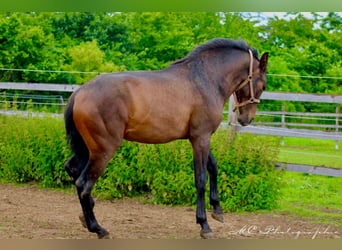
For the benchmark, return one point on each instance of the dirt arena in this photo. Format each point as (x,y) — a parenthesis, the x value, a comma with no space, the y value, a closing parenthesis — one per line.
(27,212)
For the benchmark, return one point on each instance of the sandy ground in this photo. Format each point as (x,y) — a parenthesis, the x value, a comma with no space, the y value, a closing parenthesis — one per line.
(27,212)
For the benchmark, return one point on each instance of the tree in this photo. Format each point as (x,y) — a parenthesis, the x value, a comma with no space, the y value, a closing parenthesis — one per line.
(39,46)
(306,48)
(27,47)
(87,60)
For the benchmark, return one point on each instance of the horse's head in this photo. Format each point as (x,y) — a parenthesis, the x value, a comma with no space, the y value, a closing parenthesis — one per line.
(247,95)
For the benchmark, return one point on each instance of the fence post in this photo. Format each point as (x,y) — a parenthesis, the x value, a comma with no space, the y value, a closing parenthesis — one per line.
(282,122)
(61,104)
(337,125)
(232,117)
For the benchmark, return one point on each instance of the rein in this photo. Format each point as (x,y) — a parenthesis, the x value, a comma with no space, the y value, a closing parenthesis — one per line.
(252,99)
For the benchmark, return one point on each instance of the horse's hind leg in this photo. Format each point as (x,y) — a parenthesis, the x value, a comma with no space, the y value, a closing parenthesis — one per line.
(102,135)
(100,154)
(74,166)
(214,198)
(84,185)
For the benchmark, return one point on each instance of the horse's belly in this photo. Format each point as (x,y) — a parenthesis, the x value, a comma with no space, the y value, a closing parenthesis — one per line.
(147,133)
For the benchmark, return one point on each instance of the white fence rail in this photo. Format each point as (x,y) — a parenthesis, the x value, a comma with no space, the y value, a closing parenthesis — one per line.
(295,129)
(39,86)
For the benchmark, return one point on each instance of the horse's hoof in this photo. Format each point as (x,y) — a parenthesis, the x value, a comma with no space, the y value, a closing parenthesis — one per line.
(82,219)
(218,217)
(103,235)
(207,235)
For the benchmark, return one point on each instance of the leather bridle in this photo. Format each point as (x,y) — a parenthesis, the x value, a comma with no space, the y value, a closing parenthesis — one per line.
(252,99)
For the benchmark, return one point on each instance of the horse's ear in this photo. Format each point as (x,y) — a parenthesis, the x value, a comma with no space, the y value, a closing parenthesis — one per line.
(263,62)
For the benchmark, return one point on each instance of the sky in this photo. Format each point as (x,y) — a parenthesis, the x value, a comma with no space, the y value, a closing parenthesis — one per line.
(283,14)
(262,17)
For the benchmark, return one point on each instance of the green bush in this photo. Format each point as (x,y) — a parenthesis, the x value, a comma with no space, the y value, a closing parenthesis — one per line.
(247,179)
(35,149)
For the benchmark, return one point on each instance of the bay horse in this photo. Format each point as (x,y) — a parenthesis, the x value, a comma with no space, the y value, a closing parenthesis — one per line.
(182,101)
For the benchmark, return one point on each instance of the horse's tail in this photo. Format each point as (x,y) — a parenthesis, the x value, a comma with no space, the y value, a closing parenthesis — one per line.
(74,138)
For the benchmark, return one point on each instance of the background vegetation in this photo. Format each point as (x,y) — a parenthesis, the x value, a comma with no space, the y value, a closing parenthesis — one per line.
(103,42)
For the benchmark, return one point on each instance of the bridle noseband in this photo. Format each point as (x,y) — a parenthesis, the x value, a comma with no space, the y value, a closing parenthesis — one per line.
(252,99)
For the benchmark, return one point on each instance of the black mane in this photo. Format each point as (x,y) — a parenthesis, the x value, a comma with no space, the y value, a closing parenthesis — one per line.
(218,43)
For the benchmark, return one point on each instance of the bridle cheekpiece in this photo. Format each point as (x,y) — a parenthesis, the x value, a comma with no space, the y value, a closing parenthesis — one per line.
(252,99)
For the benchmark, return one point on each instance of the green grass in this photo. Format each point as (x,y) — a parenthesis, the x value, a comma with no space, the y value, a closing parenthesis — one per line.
(314,152)
(318,198)
(314,197)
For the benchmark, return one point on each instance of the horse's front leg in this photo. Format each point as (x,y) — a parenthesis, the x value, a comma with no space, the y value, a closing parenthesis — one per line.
(214,197)
(201,153)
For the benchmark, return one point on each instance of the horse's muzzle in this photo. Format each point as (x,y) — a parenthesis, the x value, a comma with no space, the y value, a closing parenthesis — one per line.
(244,121)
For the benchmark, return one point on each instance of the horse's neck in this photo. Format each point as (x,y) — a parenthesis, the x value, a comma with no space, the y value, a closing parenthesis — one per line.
(238,72)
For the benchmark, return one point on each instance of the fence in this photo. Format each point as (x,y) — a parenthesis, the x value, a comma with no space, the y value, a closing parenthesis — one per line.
(291,129)
(55,103)
(39,86)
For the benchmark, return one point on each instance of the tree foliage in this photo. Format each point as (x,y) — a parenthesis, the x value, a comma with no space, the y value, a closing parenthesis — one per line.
(44,47)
